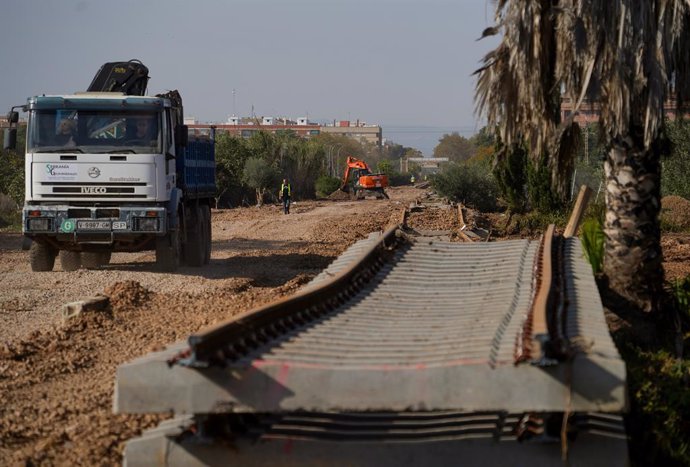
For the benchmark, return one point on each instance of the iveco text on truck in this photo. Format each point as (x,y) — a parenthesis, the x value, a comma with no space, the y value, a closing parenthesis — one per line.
(112,169)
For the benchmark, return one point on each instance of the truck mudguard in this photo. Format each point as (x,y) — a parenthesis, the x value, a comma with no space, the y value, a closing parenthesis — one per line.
(172,208)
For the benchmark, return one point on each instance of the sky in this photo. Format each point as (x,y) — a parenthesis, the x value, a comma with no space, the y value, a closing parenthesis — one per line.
(405,65)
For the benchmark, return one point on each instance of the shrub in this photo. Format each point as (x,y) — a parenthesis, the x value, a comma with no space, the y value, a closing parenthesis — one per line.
(326,185)
(592,238)
(398,179)
(511,178)
(524,184)
(259,175)
(540,191)
(680,291)
(533,222)
(659,388)
(675,168)
(471,184)
(10,213)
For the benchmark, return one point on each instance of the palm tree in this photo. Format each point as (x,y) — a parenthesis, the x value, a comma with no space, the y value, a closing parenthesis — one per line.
(627,56)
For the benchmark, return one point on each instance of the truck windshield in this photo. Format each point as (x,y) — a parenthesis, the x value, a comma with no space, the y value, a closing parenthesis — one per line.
(94,131)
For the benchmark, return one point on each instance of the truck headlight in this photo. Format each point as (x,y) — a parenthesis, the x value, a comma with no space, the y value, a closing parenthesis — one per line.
(40,223)
(146,224)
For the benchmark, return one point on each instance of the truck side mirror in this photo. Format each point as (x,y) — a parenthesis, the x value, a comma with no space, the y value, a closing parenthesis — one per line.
(181,136)
(9,140)
(12,116)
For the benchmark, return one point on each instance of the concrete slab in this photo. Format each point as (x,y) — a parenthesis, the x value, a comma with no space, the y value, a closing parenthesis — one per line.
(297,443)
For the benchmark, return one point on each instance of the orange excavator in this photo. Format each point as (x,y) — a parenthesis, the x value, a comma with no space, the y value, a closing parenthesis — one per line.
(360,182)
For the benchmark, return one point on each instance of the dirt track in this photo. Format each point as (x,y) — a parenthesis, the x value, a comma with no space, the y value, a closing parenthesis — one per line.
(56,381)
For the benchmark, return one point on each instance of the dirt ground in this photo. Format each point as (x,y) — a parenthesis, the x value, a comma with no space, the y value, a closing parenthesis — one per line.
(57,379)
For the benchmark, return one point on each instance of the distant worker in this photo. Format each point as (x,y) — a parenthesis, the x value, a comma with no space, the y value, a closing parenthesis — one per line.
(412,179)
(285,195)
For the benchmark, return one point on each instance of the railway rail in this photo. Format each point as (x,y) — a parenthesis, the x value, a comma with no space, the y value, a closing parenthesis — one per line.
(409,349)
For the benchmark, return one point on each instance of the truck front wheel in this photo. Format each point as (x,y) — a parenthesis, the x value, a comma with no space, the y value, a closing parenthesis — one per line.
(70,260)
(95,259)
(168,251)
(41,257)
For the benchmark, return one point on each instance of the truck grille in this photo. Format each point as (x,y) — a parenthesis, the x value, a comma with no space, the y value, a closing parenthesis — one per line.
(92,190)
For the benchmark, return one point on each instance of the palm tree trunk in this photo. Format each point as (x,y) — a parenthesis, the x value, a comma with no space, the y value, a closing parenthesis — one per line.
(632,257)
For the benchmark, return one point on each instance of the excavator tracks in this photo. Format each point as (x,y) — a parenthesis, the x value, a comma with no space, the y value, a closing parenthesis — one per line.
(407,350)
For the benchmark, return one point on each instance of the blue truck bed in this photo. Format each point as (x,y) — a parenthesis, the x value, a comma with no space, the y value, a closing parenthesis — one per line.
(196,171)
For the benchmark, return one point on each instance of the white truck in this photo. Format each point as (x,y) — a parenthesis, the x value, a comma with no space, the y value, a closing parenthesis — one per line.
(113,170)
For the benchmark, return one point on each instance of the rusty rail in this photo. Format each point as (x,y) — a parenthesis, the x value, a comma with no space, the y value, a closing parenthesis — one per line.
(543,340)
(259,324)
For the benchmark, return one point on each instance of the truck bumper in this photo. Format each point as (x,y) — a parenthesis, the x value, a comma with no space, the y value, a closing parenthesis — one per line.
(74,225)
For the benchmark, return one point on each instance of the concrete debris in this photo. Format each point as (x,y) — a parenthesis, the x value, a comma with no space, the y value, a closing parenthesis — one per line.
(96,303)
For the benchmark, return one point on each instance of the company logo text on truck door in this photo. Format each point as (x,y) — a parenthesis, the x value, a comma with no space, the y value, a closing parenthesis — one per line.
(61,172)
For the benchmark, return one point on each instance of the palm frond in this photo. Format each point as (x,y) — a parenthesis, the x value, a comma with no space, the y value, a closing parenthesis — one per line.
(626,55)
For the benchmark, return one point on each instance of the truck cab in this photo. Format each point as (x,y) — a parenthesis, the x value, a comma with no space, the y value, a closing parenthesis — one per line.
(109,172)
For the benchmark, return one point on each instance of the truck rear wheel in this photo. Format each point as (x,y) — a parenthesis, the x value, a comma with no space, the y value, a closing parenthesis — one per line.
(195,249)
(41,257)
(208,232)
(70,260)
(168,251)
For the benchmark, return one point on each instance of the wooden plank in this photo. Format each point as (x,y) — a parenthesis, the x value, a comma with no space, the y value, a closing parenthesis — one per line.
(578,211)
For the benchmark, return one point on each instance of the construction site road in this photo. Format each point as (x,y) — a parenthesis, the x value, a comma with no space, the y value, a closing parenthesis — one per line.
(56,378)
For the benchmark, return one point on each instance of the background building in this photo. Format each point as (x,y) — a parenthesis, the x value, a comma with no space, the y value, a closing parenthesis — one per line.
(246,126)
(360,131)
(589,112)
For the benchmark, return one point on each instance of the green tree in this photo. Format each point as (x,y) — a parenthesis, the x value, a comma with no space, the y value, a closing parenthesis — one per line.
(384,167)
(622,55)
(231,155)
(455,147)
(302,163)
(12,167)
(260,175)
(483,138)
(266,146)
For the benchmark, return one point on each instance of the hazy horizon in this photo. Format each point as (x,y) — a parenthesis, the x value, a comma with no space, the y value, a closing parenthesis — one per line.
(405,65)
